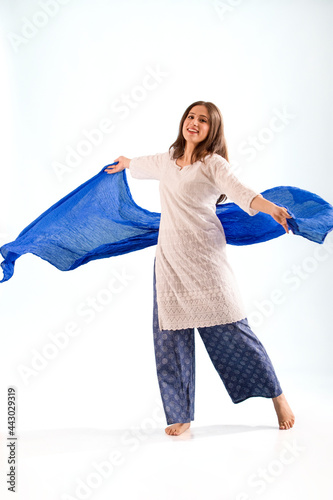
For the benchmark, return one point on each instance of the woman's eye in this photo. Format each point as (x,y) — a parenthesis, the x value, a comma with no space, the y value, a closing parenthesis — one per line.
(202,119)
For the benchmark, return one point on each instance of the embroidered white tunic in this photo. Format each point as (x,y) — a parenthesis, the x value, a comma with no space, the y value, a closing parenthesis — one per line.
(195,285)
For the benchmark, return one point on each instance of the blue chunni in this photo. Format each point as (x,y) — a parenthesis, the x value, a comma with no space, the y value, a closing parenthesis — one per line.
(100,219)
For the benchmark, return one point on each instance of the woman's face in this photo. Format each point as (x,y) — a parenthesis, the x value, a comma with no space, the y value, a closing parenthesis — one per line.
(196,125)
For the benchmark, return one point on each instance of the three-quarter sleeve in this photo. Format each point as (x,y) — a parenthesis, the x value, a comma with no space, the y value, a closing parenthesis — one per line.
(148,167)
(229,184)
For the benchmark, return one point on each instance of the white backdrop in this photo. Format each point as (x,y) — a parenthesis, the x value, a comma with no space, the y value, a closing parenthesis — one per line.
(130,69)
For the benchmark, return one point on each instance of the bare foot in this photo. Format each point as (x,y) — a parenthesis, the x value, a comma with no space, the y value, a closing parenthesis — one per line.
(285,415)
(176,429)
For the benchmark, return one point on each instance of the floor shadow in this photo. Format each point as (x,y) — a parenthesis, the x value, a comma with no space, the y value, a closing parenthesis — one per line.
(49,441)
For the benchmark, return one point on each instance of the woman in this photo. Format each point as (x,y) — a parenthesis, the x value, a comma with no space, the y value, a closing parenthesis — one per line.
(194,285)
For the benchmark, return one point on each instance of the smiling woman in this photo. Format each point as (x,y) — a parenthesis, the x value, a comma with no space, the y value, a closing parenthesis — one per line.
(195,285)
(201,131)
(195,130)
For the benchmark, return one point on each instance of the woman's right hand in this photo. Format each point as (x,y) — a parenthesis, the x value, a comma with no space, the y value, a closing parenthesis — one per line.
(123,162)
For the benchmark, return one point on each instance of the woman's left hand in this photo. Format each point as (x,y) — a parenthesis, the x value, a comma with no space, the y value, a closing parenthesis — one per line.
(280,214)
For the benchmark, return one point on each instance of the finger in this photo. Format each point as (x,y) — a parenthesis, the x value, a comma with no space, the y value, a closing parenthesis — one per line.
(110,170)
(287,214)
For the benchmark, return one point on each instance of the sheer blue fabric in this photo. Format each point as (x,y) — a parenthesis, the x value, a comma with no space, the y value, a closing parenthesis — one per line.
(100,219)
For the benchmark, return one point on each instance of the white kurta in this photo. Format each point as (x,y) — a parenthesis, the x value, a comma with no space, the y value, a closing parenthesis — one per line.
(195,285)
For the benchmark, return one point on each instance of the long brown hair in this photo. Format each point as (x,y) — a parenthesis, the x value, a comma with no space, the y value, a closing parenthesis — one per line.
(215,141)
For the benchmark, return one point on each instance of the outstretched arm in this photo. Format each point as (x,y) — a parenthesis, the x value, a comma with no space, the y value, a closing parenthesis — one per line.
(280,214)
(141,167)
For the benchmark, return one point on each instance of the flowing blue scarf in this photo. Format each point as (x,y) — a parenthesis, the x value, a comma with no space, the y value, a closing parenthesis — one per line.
(100,219)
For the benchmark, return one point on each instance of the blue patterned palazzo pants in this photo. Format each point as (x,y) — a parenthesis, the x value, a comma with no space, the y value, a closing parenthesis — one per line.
(237,354)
